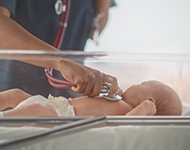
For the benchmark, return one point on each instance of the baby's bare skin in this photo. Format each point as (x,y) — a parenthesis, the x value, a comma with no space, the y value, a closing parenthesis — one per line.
(148,98)
(86,106)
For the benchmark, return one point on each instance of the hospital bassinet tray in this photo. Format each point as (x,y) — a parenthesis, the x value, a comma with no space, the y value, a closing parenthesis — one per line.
(107,133)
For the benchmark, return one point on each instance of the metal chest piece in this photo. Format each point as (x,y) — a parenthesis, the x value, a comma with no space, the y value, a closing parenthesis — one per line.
(105,93)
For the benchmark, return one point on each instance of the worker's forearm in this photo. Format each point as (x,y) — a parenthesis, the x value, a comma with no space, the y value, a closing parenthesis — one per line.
(13,36)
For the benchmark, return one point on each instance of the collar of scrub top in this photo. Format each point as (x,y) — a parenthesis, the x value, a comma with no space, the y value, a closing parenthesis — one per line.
(62,8)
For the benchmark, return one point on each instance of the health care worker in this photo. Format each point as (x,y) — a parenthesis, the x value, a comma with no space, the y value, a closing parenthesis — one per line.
(32,24)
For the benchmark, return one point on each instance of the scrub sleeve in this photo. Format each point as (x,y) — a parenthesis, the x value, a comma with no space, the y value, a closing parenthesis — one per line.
(40,19)
(9,4)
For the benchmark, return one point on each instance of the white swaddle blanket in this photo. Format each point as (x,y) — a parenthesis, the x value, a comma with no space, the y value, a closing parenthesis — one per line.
(58,104)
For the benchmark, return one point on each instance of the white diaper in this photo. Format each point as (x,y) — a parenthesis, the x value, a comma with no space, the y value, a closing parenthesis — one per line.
(58,104)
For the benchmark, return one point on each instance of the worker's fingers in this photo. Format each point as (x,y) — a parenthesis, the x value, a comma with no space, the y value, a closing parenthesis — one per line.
(80,86)
(97,84)
(96,88)
(146,108)
(96,25)
(113,81)
(89,89)
(90,83)
(120,92)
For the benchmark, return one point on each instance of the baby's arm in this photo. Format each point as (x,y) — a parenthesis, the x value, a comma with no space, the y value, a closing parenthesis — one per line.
(12,98)
(146,108)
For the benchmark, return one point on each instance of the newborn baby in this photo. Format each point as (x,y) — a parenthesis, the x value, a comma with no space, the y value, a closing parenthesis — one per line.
(147,98)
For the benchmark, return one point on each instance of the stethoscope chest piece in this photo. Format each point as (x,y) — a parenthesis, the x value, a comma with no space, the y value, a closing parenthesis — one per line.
(111,98)
(105,93)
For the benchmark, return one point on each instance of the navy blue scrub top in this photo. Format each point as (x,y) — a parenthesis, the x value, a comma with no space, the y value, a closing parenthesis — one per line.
(40,19)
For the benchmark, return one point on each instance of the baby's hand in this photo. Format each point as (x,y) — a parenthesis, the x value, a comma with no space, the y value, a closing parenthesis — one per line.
(146,108)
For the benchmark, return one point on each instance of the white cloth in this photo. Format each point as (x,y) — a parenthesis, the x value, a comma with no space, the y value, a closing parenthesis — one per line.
(58,104)
(185,109)
(1,114)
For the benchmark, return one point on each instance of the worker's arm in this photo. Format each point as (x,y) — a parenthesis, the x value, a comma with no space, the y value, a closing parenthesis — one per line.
(14,36)
(101,17)
(102,8)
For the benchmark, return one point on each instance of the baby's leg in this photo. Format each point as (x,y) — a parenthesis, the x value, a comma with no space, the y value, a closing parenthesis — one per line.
(12,98)
(33,110)
(146,108)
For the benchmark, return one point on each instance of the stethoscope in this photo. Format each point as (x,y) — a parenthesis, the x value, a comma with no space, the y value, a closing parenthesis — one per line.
(63,8)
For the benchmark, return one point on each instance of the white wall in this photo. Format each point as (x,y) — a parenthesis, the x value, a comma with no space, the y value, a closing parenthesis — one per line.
(146,26)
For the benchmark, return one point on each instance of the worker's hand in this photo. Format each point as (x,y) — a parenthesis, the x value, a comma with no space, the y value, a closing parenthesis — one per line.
(88,80)
(95,30)
(98,25)
(100,18)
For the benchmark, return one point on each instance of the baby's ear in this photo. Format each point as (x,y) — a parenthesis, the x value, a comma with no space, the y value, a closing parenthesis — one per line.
(153,100)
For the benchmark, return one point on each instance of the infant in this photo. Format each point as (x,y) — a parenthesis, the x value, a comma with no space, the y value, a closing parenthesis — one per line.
(147,98)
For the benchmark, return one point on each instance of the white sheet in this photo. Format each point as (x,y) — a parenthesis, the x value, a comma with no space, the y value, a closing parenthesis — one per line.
(117,138)
(186,109)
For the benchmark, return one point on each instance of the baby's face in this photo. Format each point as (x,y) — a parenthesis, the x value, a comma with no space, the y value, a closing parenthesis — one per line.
(138,93)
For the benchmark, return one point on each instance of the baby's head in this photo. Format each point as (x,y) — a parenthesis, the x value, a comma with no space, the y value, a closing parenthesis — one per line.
(167,100)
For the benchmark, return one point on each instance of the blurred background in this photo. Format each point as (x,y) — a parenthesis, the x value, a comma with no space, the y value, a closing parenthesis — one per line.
(146,26)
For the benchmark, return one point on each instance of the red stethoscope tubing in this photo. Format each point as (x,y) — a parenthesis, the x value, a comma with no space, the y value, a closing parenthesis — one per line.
(61,28)
(59,83)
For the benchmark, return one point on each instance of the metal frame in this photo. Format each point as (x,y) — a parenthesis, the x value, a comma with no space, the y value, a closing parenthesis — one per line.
(47,55)
(93,56)
(55,132)
(67,126)
(148,120)
(110,120)
(39,121)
